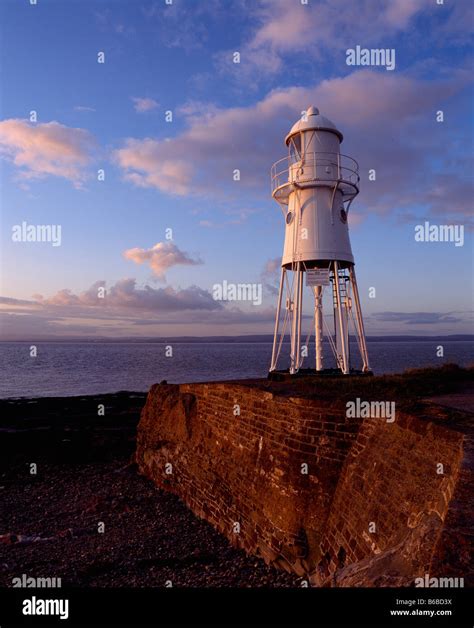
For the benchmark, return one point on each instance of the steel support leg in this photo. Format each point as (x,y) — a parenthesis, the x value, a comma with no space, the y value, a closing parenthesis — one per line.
(273,364)
(360,321)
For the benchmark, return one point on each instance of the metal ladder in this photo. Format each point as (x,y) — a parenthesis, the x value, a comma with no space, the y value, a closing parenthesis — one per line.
(344,303)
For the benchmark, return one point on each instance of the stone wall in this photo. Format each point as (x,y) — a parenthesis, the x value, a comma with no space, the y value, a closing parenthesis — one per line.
(292,479)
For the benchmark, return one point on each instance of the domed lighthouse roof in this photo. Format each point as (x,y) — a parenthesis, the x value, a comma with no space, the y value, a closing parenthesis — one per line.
(314,121)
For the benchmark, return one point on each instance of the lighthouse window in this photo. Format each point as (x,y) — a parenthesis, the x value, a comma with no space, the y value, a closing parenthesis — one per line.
(295,148)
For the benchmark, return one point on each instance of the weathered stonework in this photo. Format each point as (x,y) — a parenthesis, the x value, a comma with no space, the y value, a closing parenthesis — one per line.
(343,501)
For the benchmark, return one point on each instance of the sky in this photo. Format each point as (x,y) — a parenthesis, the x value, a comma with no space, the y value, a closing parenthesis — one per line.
(134,159)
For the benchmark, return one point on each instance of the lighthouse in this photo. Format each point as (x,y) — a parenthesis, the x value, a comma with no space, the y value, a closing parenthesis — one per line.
(314,186)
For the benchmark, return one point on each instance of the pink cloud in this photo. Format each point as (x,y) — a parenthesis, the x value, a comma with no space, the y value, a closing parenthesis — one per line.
(272,266)
(46,149)
(398,13)
(386,117)
(284,26)
(314,29)
(161,257)
(125,294)
(124,308)
(145,164)
(65,297)
(142,105)
(128,310)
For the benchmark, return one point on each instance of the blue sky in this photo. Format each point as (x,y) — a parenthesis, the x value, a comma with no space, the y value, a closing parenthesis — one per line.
(177,175)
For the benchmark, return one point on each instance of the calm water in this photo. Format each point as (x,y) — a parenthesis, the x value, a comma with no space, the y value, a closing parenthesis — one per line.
(84,368)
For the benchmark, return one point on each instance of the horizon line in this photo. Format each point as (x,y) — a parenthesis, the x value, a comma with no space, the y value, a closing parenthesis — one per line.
(223,338)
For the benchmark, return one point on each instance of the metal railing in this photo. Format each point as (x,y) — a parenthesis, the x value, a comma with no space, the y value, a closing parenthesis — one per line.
(319,168)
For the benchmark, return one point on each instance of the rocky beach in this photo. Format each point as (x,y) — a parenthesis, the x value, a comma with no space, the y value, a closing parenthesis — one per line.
(50,520)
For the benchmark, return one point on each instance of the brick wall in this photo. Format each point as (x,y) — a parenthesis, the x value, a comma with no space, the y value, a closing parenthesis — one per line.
(295,481)
(390,503)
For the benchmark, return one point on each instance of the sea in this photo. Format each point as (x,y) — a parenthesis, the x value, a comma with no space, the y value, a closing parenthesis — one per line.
(89,368)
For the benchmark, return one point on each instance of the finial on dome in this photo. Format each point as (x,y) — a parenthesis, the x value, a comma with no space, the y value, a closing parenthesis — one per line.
(312,111)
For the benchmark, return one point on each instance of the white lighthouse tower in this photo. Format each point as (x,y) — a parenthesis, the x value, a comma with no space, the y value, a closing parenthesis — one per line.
(315,186)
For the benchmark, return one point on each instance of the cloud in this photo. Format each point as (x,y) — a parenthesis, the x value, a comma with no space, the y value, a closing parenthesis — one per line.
(46,149)
(313,30)
(114,20)
(387,119)
(417,318)
(146,165)
(126,308)
(129,309)
(142,105)
(16,302)
(238,216)
(83,108)
(397,14)
(443,194)
(185,24)
(457,27)
(161,257)
(123,295)
(29,325)
(271,275)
